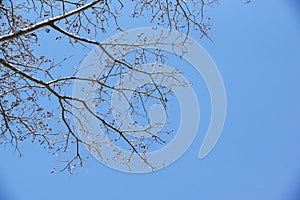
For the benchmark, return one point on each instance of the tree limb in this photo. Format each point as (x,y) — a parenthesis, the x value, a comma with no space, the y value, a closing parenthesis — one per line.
(47,22)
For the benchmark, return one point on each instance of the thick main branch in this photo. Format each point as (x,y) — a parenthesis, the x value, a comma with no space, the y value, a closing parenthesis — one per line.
(47,22)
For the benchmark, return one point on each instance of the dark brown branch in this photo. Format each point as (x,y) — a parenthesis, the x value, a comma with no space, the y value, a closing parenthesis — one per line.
(22,73)
(47,22)
(108,125)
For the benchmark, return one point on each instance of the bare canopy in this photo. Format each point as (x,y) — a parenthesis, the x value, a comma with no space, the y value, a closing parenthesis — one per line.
(36,102)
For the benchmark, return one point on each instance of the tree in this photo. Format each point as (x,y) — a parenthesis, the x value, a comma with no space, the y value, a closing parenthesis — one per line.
(31,77)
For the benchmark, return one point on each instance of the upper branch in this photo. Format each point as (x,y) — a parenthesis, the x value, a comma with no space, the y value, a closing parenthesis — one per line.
(47,22)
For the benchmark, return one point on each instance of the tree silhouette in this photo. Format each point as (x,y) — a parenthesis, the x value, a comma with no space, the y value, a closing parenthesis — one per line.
(36,102)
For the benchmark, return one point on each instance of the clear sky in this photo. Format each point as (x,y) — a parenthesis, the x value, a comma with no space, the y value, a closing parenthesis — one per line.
(257,50)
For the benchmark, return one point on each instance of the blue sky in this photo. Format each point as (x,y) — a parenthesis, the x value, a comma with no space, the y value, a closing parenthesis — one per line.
(257,50)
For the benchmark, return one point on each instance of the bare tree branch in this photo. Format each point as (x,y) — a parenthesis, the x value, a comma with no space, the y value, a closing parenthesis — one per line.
(47,22)
(40,55)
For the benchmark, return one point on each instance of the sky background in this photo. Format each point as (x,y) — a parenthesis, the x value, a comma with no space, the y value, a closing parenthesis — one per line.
(257,50)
